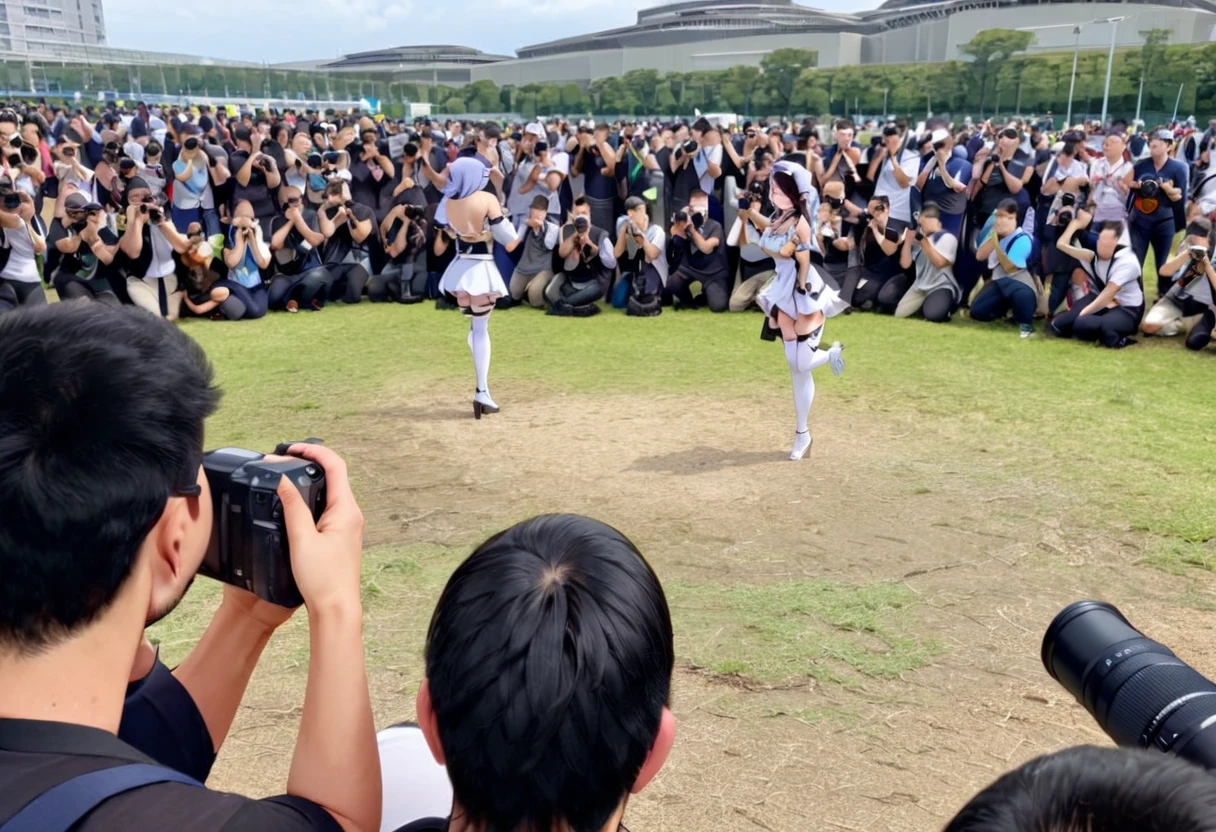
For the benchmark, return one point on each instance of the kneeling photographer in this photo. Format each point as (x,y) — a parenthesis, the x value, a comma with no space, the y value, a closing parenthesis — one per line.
(588,265)
(83,579)
(641,251)
(80,252)
(1190,304)
(927,258)
(403,236)
(1114,296)
(698,255)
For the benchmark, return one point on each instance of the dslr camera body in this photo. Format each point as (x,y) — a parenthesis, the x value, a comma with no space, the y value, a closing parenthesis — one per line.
(695,217)
(1068,210)
(248,547)
(1149,188)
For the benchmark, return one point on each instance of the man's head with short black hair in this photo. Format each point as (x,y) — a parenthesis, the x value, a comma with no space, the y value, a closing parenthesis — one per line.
(1090,789)
(581,207)
(101,425)
(548,664)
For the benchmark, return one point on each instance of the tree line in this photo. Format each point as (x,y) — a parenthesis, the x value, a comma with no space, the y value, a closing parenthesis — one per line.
(999,76)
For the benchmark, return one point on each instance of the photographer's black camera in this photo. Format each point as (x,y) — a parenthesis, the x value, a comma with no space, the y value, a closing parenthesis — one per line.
(1137,690)
(191,143)
(581,224)
(1068,203)
(12,201)
(697,219)
(1149,188)
(414,212)
(266,145)
(248,547)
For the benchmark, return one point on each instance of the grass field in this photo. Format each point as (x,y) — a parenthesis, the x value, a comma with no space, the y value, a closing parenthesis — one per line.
(857,634)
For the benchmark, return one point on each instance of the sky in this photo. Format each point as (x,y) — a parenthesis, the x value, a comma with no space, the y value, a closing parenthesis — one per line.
(330,28)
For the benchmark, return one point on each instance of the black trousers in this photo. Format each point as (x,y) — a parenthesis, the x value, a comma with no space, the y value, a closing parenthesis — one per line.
(1110,326)
(715,290)
(892,292)
(305,289)
(396,281)
(348,281)
(1201,334)
(865,296)
(14,293)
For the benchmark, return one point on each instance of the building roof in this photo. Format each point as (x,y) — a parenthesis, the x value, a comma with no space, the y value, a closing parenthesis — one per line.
(397,56)
(704,20)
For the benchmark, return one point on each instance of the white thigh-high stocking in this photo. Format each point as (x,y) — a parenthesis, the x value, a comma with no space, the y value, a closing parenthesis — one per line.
(804,394)
(479,343)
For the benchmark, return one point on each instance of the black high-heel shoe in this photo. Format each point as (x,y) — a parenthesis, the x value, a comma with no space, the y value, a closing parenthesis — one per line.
(481,407)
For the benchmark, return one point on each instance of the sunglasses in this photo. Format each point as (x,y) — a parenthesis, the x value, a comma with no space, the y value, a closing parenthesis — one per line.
(292,202)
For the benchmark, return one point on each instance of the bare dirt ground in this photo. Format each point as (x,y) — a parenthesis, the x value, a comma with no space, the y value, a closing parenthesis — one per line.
(989,553)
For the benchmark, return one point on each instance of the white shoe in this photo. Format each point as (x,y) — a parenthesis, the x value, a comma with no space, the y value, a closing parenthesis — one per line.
(802,444)
(836,358)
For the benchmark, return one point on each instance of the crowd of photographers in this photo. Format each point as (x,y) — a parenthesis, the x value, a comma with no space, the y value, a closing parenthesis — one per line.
(196,212)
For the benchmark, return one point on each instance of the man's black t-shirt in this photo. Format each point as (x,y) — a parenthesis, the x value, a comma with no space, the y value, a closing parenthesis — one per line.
(365,188)
(341,244)
(256,191)
(36,756)
(297,255)
(83,263)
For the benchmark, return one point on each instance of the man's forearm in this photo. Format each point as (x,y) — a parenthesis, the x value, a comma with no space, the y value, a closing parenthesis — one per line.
(336,763)
(218,669)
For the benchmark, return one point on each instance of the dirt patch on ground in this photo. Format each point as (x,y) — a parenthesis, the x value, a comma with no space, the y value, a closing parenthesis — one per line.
(987,556)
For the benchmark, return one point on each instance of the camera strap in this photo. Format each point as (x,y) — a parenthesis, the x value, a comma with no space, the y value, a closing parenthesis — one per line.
(61,807)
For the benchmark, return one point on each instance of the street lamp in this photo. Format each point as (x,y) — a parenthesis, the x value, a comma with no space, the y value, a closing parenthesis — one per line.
(1076,51)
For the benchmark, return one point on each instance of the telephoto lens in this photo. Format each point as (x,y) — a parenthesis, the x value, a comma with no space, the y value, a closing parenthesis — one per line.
(1137,690)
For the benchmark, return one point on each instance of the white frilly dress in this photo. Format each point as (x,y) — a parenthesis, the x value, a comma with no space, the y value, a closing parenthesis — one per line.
(782,291)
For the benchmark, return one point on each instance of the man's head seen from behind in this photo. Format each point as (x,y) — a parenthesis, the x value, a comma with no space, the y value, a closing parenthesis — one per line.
(548,663)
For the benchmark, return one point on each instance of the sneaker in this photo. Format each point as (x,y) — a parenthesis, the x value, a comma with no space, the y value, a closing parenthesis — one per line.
(1026,330)
(836,358)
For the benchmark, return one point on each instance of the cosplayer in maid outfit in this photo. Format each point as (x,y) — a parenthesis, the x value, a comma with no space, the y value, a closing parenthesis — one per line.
(472,277)
(798,301)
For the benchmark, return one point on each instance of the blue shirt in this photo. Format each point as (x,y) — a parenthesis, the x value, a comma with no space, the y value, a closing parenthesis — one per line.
(246,272)
(1172,171)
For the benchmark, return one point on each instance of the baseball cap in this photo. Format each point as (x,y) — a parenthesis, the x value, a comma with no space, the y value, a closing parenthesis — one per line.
(80,202)
(939,135)
(1164,135)
(536,129)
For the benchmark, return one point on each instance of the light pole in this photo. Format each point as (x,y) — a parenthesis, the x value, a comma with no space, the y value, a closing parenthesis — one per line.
(1110,62)
(1072,81)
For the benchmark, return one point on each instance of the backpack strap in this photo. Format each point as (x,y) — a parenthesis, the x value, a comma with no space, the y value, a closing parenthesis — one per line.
(61,807)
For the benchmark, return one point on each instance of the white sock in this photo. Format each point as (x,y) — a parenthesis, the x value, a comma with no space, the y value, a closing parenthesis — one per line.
(479,343)
(804,386)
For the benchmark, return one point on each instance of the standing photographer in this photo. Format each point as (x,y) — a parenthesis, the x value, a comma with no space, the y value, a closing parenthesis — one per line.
(595,159)
(71,626)
(588,262)
(1191,300)
(1113,303)
(893,171)
(928,257)
(1159,191)
(943,181)
(257,177)
(699,255)
(193,196)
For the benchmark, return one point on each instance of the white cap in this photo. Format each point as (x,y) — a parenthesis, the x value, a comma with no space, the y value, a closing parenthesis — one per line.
(939,135)
(536,129)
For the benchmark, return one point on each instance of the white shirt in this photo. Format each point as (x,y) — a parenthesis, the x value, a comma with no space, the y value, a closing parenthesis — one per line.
(1123,270)
(1109,202)
(701,162)
(1206,198)
(162,256)
(886,185)
(21,265)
